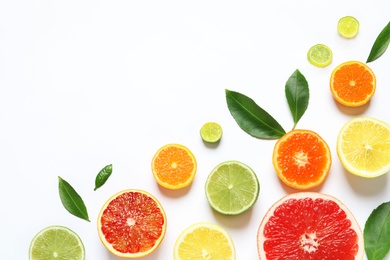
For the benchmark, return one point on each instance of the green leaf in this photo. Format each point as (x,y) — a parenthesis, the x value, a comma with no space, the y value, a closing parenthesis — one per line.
(72,200)
(251,118)
(380,45)
(377,232)
(297,94)
(103,176)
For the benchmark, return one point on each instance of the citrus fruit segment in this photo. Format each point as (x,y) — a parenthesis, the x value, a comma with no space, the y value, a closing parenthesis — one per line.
(363,147)
(320,55)
(56,242)
(174,166)
(211,132)
(309,225)
(352,83)
(132,224)
(232,188)
(204,241)
(348,27)
(302,159)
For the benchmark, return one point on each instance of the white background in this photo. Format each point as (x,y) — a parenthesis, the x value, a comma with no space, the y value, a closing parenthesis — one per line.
(87,83)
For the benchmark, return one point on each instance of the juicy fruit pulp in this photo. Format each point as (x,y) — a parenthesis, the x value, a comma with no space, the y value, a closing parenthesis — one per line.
(302,159)
(309,225)
(232,188)
(363,147)
(56,243)
(320,55)
(174,166)
(348,27)
(211,132)
(132,224)
(352,83)
(204,241)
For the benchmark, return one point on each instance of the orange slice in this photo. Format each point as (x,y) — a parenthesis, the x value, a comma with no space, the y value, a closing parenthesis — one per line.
(352,83)
(132,224)
(174,166)
(302,159)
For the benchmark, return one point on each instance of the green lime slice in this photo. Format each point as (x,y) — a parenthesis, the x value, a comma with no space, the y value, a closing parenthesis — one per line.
(320,55)
(348,27)
(56,243)
(211,132)
(232,188)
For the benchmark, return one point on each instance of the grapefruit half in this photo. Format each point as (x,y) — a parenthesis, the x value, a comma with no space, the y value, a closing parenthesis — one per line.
(132,224)
(309,225)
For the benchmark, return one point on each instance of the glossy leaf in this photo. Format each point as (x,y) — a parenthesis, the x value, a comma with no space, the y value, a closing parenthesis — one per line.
(71,200)
(377,233)
(297,94)
(103,176)
(252,118)
(380,45)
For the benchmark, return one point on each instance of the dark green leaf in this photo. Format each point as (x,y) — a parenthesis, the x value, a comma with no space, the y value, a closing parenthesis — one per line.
(377,233)
(103,176)
(72,200)
(297,94)
(380,45)
(251,118)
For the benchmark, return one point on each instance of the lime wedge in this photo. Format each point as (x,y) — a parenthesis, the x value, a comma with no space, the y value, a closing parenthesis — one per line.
(348,27)
(211,132)
(232,188)
(56,243)
(320,55)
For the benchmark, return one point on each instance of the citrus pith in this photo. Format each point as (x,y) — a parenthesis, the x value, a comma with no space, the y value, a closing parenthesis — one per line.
(309,225)
(363,147)
(132,224)
(174,166)
(302,159)
(353,83)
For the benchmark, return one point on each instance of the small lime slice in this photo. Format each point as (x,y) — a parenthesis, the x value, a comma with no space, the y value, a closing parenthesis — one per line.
(348,27)
(211,132)
(56,242)
(232,188)
(320,55)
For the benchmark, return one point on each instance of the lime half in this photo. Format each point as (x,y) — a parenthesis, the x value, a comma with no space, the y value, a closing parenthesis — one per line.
(320,55)
(232,188)
(348,27)
(211,132)
(56,243)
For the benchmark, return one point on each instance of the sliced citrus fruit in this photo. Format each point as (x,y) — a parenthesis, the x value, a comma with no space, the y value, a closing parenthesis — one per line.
(309,225)
(132,224)
(174,166)
(348,27)
(56,242)
(352,83)
(302,159)
(363,147)
(232,188)
(204,241)
(211,132)
(320,55)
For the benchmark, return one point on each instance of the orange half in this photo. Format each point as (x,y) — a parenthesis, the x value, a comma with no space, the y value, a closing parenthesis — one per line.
(301,159)
(352,83)
(174,166)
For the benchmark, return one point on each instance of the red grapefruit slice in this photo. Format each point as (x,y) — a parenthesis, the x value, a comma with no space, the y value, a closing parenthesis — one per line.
(309,225)
(132,224)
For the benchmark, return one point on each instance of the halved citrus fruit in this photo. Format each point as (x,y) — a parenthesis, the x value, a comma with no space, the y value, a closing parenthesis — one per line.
(174,166)
(232,188)
(204,240)
(352,83)
(211,132)
(56,242)
(309,225)
(132,224)
(363,147)
(320,55)
(348,27)
(302,159)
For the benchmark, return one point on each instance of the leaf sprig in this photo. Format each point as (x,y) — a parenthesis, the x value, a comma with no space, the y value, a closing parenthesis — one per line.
(257,122)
